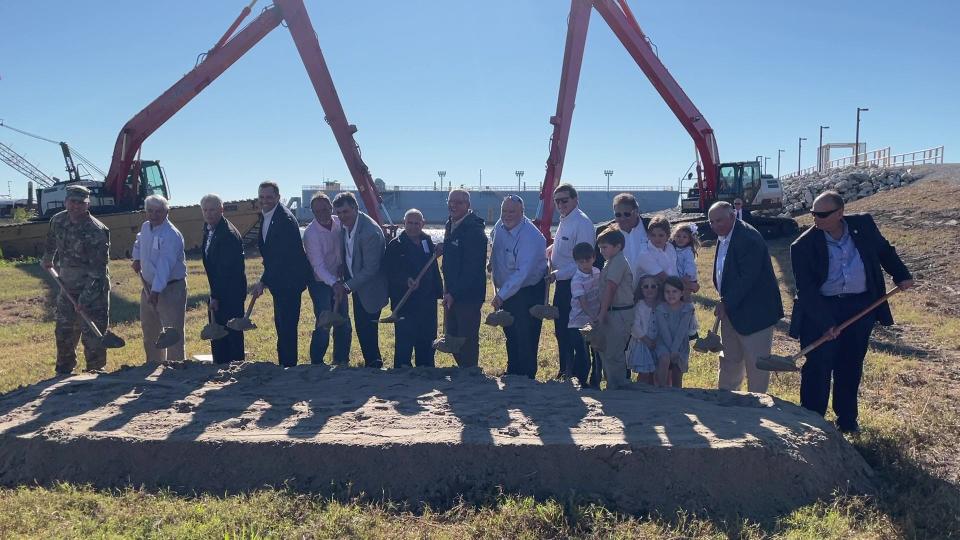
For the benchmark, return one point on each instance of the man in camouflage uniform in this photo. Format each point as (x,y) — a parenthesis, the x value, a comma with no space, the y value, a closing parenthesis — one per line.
(79,246)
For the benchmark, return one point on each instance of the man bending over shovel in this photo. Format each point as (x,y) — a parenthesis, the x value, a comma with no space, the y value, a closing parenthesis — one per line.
(838,266)
(80,244)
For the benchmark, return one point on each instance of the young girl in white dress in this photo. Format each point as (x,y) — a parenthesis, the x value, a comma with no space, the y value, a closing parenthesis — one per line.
(640,355)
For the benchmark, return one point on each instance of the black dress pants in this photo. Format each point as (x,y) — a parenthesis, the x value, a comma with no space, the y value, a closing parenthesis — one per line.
(566,346)
(286,317)
(368,333)
(840,359)
(415,332)
(230,347)
(523,336)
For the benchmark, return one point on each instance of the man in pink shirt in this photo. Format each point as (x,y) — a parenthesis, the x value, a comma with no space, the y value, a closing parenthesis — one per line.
(321,242)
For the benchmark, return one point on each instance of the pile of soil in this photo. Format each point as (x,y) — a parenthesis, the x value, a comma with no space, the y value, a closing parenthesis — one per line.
(424,435)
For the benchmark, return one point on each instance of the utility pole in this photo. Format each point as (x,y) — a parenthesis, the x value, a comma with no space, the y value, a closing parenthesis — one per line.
(609,173)
(856,144)
(765,160)
(441,174)
(799,150)
(519,176)
(779,153)
(820,149)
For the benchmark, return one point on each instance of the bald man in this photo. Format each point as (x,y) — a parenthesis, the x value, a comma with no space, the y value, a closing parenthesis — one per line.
(519,265)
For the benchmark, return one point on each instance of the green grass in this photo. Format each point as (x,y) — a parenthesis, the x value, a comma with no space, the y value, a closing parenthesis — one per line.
(904,424)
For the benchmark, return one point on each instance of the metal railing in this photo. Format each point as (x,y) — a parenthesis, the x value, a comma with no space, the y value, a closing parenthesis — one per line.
(509,189)
(879,158)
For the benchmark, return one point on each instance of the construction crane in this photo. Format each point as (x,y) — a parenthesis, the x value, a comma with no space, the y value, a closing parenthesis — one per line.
(23,166)
(715,180)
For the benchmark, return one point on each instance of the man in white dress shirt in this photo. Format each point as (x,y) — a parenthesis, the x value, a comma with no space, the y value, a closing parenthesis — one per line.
(575,228)
(158,258)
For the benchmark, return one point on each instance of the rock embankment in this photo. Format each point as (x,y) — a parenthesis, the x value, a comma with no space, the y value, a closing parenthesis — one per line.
(852,182)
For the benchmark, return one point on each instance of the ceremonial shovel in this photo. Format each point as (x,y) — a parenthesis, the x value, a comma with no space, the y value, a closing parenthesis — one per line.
(776,362)
(393,317)
(499,317)
(329,318)
(710,342)
(169,335)
(545,310)
(212,331)
(242,324)
(445,343)
(108,339)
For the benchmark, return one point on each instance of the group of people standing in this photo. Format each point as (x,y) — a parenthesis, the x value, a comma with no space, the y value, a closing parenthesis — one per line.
(627,285)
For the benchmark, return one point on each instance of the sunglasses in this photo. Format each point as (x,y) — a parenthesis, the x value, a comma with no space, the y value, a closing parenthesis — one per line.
(623,214)
(825,213)
(562,200)
(649,286)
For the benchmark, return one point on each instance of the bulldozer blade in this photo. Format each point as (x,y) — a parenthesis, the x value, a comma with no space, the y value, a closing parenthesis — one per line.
(109,340)
(168,337)
(776,362)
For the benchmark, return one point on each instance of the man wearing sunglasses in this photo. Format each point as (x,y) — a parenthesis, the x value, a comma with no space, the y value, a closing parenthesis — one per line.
(838,268)
(575,228)
(626,216)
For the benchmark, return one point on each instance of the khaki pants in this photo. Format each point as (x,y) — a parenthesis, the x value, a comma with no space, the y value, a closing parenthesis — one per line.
(170,311)
(739,358)
(617,333)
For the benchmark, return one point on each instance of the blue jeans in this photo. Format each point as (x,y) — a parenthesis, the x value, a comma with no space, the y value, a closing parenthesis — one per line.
(322,296)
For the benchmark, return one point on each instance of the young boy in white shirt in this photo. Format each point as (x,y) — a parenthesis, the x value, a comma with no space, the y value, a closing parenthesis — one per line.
(584,308)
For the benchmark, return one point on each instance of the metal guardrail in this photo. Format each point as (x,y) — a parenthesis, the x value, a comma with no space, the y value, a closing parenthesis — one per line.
(507,189)
(880,158)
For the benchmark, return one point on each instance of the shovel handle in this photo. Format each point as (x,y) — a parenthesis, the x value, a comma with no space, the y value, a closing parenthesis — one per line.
(409,292)
(848,322)
(253,300)
(716,324)
(76,305)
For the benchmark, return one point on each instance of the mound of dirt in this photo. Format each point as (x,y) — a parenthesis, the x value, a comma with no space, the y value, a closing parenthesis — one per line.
(424,435)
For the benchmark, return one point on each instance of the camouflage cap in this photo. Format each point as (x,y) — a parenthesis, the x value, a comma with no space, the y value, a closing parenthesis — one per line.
(78,192)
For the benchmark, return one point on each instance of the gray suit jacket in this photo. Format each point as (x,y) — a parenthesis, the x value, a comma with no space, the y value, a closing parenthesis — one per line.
(366,278)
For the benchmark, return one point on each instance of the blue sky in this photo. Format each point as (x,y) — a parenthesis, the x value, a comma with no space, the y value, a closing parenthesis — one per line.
(464,86)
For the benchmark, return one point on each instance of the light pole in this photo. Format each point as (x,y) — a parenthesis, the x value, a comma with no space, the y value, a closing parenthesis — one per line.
(441,174)
(779,153)
(608,173)
(856,143)
(799,150)
(765,160)
(820,149)
(519,176)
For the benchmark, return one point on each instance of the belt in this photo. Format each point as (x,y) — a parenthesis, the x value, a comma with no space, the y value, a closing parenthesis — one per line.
(846,295)
(621,308)
(172,281)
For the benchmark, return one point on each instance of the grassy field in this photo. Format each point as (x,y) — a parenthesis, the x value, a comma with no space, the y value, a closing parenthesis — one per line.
(910,420)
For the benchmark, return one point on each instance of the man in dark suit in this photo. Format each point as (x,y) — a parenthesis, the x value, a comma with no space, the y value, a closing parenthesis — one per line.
(838,268)
(405,257)
(363,277)
(742,212)
(750,303)
(223,262)
(286,269)
(464,275)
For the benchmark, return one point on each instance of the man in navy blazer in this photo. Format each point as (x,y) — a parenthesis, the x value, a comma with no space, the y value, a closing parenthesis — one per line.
(286,269)
(222,251)
(838,268)
(750,303)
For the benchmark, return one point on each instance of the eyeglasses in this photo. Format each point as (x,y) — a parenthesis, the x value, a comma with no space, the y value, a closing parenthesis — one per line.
(825,213)
(562,200)
(623,214)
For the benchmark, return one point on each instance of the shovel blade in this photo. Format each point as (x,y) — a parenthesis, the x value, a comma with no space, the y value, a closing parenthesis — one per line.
(169,337)
(449,344)
(241,324)
(709,343)
(213,332)
(775,362)
(112,341)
